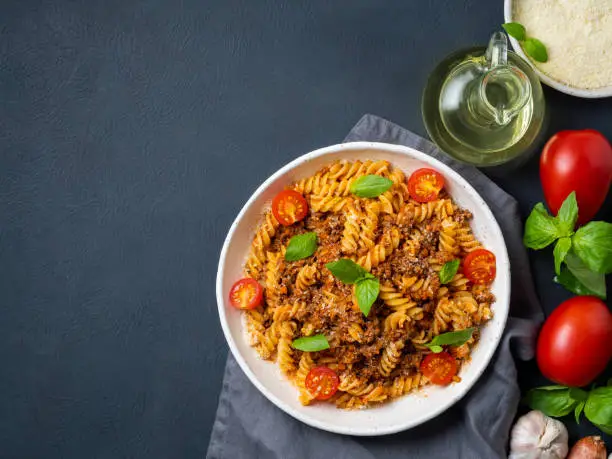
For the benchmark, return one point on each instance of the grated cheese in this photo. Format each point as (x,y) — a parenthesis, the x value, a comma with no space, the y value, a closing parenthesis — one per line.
(577,35)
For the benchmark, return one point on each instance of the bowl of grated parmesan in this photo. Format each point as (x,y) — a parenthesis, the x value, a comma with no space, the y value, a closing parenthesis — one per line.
(578,37)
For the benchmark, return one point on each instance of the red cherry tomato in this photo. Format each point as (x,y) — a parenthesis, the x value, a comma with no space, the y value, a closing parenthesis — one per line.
(439,368)
(247,293)
(322,382)
(575,343)
(579,161)
(479,266)
(425,184)
(289,207)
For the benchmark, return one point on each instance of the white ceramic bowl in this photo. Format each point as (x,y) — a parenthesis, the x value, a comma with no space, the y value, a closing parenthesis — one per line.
(405,412)
(555,84)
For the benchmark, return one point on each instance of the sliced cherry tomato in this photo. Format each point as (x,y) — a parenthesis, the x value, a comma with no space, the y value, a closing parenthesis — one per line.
(289,207)
(479,266)
(247,293)
(425,184)
(439,368)
(322,382)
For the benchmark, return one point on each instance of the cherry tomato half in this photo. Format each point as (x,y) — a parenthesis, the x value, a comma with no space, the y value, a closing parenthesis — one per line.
(289,207)
(322,382)
(439,368)
(479,266)
(425,184)
(574,343)
(247,293)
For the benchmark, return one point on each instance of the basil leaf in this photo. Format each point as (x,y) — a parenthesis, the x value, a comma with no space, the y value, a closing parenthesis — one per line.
(578,394)
(598,408)
(562,247)
(366,291)
(301,246)
(593,244)
(370,186)
(448,271)
(553,401)
(568,214)
(347,271)
(540,228)
(456,338)
(578,411)
(579,279)
(311,343)
(536,49)
(515,30)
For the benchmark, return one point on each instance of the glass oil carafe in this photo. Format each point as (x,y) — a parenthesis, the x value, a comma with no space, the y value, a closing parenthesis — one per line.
(484,106)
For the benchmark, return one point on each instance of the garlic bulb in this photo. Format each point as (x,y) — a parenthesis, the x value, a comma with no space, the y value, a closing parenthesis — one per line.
(536,436)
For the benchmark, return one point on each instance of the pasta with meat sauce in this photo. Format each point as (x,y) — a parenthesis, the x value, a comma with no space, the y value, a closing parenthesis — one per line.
(402,242)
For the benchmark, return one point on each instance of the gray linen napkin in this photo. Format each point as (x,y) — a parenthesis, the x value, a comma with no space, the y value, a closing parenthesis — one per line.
(249,426)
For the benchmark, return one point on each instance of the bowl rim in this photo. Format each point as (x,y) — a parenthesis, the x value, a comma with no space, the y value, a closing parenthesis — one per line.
(490,350)
(597,93)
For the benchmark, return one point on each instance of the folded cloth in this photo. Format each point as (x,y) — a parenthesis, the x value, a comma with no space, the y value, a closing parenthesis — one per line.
(249,426)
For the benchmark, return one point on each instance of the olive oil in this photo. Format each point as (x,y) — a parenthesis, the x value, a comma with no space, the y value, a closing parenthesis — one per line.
(484,106)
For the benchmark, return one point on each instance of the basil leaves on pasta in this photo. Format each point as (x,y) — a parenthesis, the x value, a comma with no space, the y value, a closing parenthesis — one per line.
(456,338)
(448,271)
(311,343)
(301,246)
(367,287)
(370,186)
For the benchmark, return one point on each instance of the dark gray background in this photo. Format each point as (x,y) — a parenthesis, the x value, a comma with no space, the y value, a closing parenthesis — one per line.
(131,132)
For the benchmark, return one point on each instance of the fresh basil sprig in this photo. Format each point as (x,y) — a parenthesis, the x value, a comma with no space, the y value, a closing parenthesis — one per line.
(532,46)
(558,401)
(456,338)
(311,343)
(587,253)
(301,246)
(367,286)
(448,271)
(370,186)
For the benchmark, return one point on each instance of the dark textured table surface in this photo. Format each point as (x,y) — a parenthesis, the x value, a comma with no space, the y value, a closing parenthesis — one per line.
(131,133)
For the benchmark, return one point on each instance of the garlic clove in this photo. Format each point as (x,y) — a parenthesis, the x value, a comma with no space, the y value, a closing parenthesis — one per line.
(536,436)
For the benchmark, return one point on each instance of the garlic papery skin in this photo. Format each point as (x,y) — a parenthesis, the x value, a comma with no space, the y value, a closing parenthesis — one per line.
(536,436)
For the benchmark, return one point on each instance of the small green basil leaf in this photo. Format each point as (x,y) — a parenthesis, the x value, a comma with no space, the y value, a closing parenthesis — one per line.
(578,394)
(579,279)
(567,215)
(540,228)
(515,30)
(311,343)
(598,408)
(347,271)
(578,411)
(448,271)
(456,338)
(435,349)
(535,49)
(593,244)
(562,247)
(553,401)
(370,186)
(301,246)
(366,291)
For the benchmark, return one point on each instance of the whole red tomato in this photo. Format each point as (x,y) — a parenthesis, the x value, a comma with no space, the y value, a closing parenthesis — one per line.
(579,161)
(575,343)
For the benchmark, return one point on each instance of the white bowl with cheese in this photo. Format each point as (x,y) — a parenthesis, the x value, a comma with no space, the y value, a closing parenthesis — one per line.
(407,411)
(574,68)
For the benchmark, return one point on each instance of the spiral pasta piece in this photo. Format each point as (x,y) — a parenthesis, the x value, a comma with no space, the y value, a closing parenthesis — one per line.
(350,235)
(398,302)
(327,203)
(305,365)
(448,237)
(306,276)
(379,253)
(315,184)
(390,357)
(466,239)
(285,356)
(404,384)
(369,225)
